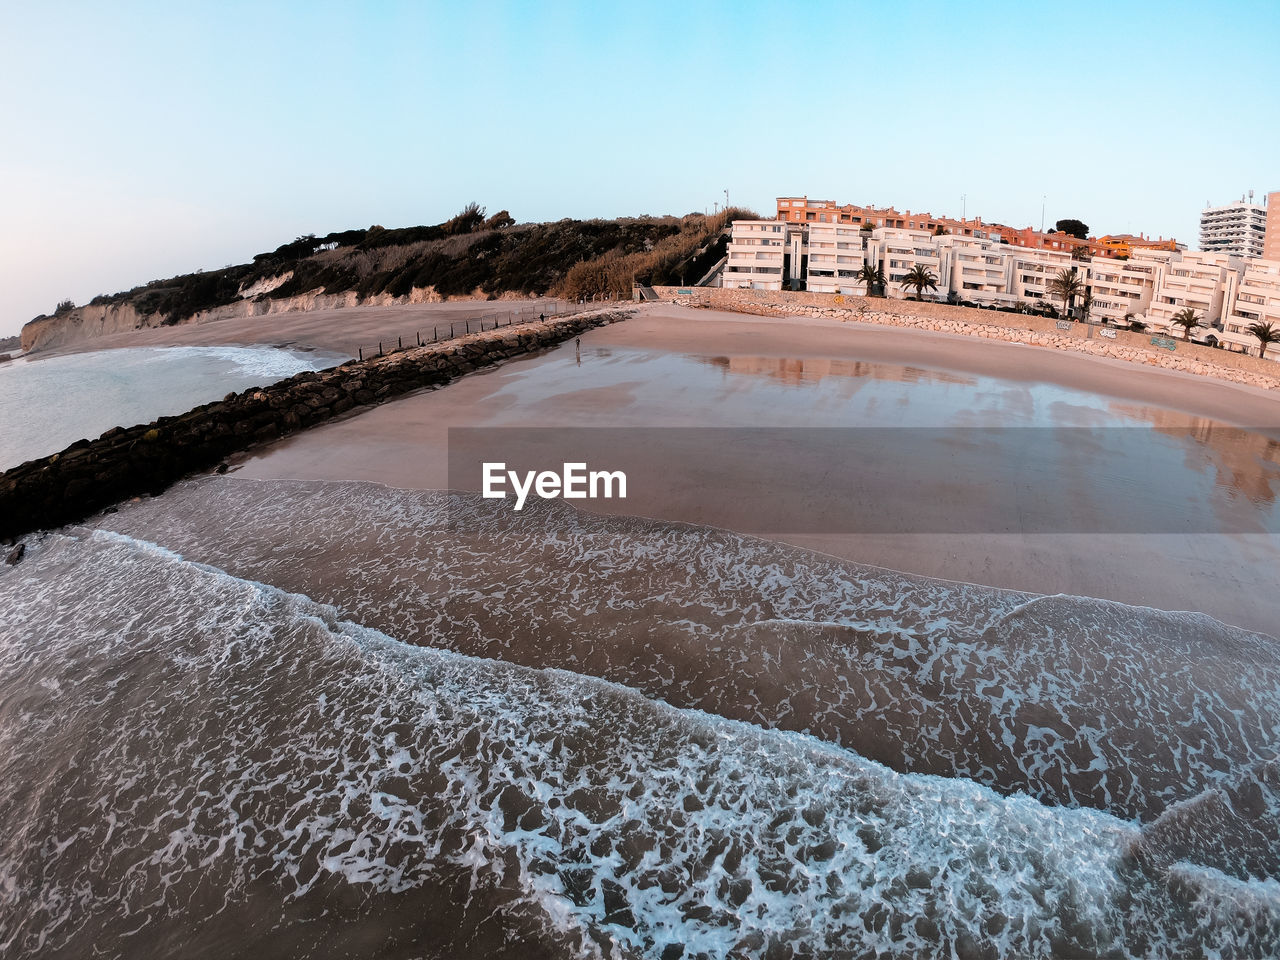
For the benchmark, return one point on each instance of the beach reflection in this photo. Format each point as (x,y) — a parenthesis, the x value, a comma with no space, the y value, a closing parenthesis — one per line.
(802,370)
(1245,463)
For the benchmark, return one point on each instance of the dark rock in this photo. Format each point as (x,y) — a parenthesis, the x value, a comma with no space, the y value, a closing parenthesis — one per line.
(71,485)
(16,554)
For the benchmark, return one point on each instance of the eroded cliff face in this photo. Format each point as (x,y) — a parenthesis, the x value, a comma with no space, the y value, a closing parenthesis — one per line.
(86,322)
(77,324)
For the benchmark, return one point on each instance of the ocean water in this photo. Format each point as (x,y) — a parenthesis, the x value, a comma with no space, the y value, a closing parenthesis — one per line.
(279,718)
(47,404)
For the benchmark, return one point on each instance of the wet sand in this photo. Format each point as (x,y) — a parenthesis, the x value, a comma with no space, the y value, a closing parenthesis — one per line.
(405,445)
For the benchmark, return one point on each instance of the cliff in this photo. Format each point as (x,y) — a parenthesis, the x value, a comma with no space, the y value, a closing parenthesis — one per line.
(467,256)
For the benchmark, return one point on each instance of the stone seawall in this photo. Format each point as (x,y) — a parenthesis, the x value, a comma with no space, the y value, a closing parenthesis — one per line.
(145,459)
(987,324)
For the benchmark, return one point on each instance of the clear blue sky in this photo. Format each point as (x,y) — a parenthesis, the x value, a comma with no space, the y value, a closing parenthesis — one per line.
(141,141)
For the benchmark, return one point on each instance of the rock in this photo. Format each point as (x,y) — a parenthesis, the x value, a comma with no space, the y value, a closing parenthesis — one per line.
(16,554)
(74,483)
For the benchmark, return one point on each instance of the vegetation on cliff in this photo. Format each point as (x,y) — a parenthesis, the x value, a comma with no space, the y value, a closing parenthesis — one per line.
(468,254)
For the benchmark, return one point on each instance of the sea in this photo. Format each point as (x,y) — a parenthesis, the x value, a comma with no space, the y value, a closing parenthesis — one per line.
(46,404)
(303,718)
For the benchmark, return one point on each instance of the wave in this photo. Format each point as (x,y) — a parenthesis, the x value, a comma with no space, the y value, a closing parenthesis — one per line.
(195,764)
(1072,701)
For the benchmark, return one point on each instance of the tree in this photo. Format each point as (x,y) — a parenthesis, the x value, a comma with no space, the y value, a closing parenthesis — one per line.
(1077,228)
(64,306)
(1080,252)
(920,278)
(1188,320)
(872,276)
(1066,286)
(1086,304)
(1264,333)
(470,218)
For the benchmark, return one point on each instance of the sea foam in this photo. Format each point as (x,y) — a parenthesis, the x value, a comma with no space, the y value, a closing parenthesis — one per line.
(178,745)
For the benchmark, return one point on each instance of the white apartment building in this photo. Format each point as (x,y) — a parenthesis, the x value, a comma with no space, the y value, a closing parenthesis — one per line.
(898,251)
(756,255)
(1227,292)
(976,270)
(1257,300)
(1238,228)
(1122,289)
(1203,282)
(835,257)
(1032,270)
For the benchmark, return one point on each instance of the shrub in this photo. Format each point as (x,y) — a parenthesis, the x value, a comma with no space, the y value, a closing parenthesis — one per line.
(469,219)
(64,306)
(463,255)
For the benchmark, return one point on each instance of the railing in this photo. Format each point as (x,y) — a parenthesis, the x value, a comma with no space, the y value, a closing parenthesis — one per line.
(461,326)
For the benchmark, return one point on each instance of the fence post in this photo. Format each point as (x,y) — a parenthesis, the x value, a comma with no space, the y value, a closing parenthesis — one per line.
(361,349)
(379,348)
(399,343)
(419,336)
(435,334)
(451,331)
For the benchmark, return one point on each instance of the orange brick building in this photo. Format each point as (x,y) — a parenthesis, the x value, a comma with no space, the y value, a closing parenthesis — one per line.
(804,210)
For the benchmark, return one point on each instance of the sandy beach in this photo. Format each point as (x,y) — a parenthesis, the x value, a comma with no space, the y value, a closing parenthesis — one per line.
(406,445)
(345,330)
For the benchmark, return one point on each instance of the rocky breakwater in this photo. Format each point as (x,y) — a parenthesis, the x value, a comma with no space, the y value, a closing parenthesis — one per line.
(124,462)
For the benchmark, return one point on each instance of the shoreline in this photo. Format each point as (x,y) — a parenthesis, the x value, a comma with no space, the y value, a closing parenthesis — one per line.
(91,475)
(405,445)
(1130,346)
(345,328)
(332,329)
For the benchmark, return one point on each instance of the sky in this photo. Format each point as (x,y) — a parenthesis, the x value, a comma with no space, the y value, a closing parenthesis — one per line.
(140,141)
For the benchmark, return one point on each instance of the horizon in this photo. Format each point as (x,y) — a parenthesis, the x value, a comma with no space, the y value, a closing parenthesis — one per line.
(154,142)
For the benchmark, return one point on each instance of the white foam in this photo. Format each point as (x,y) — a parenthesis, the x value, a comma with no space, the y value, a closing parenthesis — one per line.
(334,747)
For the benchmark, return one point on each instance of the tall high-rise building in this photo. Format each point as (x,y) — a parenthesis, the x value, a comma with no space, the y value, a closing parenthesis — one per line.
(1271,243)
(1237,228)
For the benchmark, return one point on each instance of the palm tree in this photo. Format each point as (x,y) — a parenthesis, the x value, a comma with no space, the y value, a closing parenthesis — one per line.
(920,278)
(1188,320)
(872,276)
(1264,333)
(1086,304)
(1065,285)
